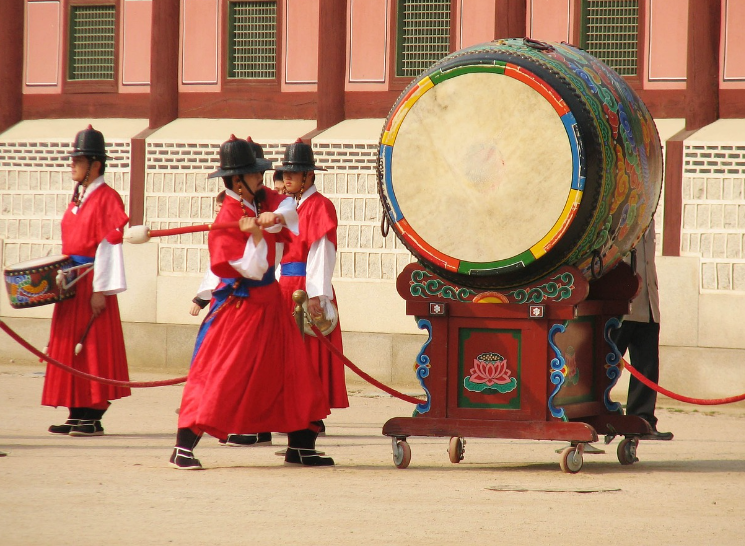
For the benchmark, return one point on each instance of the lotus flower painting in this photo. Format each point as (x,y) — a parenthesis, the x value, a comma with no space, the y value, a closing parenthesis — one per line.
(489,375)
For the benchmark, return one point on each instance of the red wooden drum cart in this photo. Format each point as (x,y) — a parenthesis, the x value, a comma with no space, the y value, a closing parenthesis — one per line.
(519,174)
(531,363)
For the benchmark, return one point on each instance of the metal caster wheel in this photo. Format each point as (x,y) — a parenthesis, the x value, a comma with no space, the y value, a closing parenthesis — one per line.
(571,460)
(401,453)
(456,449)
(627,451)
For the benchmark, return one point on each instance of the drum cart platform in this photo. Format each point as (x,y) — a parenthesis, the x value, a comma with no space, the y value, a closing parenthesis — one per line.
(533,362)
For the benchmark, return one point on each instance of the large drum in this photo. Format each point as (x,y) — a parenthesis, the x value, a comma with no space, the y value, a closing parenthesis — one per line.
(38,281)
(508,159)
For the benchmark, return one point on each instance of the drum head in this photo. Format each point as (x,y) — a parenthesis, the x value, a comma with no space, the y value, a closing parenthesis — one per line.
(34,263)
(496,161)
(482,168)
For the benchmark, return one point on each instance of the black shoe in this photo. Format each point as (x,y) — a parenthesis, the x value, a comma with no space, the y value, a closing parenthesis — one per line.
(264,438)
(183,459)
(656,435)
(322,428)
(306,457)
(87,427)
(64,429)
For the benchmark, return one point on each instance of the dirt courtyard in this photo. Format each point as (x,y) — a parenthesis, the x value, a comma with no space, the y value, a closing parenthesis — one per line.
(118,489)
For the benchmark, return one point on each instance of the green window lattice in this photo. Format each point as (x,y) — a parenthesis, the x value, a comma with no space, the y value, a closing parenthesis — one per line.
(423,35)
(252,40)
(610,32)
(92,39)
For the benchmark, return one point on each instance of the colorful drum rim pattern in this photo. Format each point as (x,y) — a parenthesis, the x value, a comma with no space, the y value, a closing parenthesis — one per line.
(37,285)
(575,189)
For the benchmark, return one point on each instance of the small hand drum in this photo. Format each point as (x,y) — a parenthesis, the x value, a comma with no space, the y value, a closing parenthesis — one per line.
(325,324)
(35,282)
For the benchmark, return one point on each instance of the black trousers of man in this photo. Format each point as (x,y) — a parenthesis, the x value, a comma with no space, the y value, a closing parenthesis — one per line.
(642,339)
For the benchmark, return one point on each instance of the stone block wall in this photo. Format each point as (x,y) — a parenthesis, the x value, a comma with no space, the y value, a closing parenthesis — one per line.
(714,212)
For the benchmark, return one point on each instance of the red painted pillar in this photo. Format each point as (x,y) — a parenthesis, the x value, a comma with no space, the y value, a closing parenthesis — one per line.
(164,45)
(511,16)
(702,88)
(11,63)
(332,48)
(702,108)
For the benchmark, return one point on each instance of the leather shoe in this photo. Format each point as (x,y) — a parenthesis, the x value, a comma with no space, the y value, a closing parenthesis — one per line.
(656,435)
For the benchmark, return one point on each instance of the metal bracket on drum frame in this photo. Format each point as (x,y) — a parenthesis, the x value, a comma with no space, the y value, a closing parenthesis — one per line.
(596,263)
(62,275)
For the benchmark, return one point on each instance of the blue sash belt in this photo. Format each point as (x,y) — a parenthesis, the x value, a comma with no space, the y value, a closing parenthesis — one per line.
(222,294)
(293,269)
(80,260)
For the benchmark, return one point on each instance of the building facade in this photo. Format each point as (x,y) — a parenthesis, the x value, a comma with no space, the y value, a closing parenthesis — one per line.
(168,80)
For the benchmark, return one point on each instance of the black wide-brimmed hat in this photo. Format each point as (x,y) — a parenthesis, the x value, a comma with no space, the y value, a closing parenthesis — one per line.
(256,147)
(237,157)
(298,158)
(89,143)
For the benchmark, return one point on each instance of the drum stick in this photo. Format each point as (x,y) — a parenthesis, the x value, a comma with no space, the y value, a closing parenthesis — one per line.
(142,234)
(79,346)
(45,351)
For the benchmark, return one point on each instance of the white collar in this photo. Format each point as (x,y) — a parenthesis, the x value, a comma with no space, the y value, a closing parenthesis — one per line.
(93,186)
(231,193)
(307,193)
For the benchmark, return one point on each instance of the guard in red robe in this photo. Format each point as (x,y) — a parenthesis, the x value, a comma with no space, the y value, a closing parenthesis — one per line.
(249,372)
(308,264)
(91,234)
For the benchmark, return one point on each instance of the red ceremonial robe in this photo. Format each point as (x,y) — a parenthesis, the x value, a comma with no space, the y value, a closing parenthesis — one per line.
(249,371)
(103,352)
(317,217)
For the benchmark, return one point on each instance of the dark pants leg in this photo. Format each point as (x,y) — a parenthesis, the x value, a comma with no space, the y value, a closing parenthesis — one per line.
(642,339)
(187,438)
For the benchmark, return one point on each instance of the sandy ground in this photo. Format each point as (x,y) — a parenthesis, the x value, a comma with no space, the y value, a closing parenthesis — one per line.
(118,489)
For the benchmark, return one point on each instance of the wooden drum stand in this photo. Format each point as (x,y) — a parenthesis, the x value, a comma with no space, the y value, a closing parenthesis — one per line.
(534,362)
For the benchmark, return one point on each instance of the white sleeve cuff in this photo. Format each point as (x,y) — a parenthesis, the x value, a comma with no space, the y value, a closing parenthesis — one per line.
(108,269)
(254,262)
(320,268)
(288,209)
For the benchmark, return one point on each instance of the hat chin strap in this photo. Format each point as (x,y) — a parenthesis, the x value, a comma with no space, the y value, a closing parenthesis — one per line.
(256,196)
(77,196)
(299,194)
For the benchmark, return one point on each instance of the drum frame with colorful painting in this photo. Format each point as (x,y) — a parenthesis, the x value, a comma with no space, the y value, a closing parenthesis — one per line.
(41,281)
(608,185)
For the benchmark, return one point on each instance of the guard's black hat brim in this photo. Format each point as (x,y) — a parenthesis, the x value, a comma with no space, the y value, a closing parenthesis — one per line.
(298,168)
(79,153)
(260,166)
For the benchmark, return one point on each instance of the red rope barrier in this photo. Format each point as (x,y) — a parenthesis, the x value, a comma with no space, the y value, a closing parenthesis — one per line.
(688,400)
(374,382)
(132,384)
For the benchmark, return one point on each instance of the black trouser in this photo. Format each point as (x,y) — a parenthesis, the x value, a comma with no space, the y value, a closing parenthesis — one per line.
(642,339)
